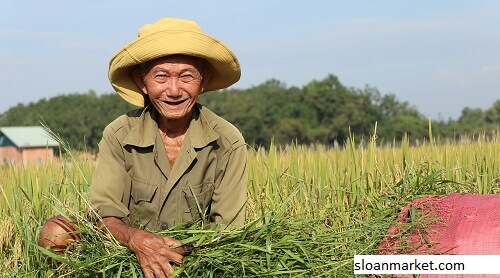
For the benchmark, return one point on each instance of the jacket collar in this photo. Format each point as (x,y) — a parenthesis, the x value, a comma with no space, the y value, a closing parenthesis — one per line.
(201,130)
(144,132)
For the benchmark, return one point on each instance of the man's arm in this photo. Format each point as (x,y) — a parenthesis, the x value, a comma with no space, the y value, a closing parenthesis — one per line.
(229,199)
(154,252)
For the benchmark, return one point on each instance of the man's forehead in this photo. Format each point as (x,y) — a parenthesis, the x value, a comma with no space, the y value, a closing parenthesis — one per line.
(175,59)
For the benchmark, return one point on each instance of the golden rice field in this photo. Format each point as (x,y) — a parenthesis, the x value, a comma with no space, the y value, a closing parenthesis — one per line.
(310,209)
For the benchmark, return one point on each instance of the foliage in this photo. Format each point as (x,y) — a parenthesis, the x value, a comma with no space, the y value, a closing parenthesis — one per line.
(327,112)
(273,245)
(323,111)
(80,118)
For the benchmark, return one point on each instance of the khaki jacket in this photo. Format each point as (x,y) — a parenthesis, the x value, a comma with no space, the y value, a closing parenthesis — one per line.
(133,179)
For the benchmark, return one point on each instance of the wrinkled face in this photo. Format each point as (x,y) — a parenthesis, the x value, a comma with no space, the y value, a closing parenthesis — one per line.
(173,84)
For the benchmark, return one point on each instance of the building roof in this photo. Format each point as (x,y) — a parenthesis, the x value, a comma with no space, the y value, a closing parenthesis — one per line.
(27,136)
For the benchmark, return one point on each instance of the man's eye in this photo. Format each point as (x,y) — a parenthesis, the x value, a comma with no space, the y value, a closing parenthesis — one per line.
(186,78)
(160,77)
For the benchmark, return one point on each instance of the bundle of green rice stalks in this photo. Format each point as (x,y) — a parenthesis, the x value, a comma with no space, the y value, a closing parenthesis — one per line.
(273,245)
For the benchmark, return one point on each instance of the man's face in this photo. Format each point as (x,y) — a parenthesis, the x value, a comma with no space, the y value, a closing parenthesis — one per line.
(173,84)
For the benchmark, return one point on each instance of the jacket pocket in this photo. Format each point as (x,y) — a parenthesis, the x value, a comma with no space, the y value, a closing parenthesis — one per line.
(142,192)
(198,198)
(142,207)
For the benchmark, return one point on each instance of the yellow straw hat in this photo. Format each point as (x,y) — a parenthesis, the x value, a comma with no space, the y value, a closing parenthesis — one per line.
(170,36)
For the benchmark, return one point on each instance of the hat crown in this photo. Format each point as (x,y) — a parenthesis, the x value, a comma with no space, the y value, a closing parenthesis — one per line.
(169,24)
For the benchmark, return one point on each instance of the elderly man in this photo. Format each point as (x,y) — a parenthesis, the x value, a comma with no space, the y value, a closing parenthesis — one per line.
(173,160)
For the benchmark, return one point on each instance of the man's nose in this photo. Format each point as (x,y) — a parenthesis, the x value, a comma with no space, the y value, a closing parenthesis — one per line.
(173,89)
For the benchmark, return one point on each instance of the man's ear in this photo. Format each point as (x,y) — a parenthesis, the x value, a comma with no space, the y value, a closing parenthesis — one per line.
(207,73)
(139,80)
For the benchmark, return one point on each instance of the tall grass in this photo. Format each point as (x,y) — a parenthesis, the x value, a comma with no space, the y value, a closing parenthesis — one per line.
(362,175)
(315,202)
(29,194)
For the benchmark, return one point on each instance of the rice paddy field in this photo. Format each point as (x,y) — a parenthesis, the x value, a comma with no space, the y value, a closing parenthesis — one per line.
(310,209)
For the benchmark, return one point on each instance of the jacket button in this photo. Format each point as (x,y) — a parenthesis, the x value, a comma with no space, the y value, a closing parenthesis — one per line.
(164,226)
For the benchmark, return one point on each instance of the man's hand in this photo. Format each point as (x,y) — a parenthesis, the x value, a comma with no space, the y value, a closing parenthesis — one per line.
(154,252)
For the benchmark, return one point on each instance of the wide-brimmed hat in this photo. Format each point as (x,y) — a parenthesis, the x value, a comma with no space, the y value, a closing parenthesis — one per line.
(169,36)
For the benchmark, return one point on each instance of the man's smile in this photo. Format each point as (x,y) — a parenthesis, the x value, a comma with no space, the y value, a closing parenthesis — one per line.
(178,102)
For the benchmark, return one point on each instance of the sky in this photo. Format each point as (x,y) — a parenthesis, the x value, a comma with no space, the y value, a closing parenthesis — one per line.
(439,56)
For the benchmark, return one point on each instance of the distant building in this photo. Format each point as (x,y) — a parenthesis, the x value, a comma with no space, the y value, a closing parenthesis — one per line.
(27,144)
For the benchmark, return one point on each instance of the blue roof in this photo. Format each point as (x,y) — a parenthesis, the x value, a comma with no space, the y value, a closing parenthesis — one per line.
(27,136)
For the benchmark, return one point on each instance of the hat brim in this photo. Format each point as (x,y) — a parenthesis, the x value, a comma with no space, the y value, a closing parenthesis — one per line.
(223,63)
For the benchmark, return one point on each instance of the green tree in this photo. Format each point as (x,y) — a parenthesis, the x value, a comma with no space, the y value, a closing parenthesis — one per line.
(323,111)
(492,115)
(78,118)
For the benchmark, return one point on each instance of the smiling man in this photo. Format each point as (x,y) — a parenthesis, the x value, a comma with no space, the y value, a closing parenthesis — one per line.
(171,161)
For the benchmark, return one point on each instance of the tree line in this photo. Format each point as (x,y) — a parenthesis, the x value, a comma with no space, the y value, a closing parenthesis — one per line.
(323,111)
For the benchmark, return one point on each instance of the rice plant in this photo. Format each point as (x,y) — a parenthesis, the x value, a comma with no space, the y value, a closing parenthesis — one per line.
(310,209)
